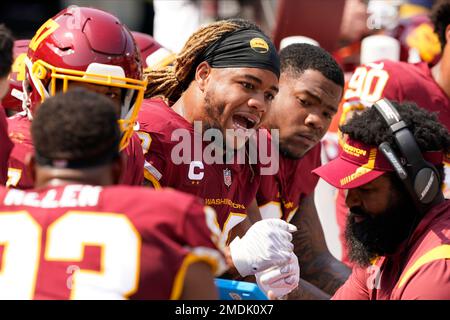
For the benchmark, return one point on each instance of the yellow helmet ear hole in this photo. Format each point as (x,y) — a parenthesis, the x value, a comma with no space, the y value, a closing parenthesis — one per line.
(123,125)
(39,71)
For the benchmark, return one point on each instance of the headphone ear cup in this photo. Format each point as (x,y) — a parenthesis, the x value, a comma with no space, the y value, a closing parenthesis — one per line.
(426,185)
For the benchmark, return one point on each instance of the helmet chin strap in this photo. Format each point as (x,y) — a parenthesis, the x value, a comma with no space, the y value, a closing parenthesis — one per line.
(26,102)
(127,108)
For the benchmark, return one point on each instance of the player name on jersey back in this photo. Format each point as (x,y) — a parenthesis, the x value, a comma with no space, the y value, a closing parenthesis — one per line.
(70,196)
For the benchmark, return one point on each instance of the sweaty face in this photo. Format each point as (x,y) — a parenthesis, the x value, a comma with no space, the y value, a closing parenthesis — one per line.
(303,110)
(382,216)
(236,101)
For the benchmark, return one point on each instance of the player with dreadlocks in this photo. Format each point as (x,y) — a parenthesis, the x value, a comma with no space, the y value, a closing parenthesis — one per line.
(225,79)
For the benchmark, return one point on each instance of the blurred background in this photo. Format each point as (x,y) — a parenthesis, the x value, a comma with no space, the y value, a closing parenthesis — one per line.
(336,25)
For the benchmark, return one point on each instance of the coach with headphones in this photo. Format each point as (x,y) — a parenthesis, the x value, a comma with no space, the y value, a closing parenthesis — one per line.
(398,229)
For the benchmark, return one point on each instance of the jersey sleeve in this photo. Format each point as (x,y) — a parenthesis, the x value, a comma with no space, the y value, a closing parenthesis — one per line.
(155,162)
(155,126)
(176,230)
(133,174)
(202,233)
(203,243)
(355,288)
(19,175)
(429,282)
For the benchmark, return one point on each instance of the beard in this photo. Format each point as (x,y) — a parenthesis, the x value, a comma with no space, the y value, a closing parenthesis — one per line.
(285,152)
(291,152)
(381,234)
(288,154)
(213,114)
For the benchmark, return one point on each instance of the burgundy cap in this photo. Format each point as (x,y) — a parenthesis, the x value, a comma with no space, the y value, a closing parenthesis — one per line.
(358,164)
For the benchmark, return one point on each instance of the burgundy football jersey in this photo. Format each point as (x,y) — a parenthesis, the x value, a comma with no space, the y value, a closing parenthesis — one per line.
(19,128)
(19,177)
(5,147)
(280,195)
(228,188)
(134,169)
(396,81)
(91,242)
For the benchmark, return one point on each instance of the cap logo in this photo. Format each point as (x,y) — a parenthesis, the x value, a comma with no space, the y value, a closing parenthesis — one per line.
(354,151)
(362,170)
(358,173)
(259,45)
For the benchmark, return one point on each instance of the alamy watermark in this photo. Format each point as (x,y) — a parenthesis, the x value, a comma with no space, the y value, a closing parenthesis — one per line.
(374,277)
(70,271)
(74,20)
(248,146)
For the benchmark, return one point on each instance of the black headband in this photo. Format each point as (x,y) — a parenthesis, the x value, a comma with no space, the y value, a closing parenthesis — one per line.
(243,48)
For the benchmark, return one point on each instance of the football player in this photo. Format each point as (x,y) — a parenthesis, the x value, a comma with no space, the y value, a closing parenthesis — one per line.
(72,49)
(398,228)
(311,87)
(78,237)
(427,87)
(224,79)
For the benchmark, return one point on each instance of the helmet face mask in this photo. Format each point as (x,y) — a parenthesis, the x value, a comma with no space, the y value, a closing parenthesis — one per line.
(98,50)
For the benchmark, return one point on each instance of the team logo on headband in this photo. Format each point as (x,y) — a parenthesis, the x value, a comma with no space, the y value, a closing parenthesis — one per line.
(259,45)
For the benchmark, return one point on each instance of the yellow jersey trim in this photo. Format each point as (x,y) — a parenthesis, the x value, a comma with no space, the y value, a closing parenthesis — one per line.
(152,179)
(177,288)
(438,253)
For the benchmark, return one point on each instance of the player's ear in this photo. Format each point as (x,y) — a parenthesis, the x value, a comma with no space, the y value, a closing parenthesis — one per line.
(118,168)
(30,165)
(447,35)
(202,74)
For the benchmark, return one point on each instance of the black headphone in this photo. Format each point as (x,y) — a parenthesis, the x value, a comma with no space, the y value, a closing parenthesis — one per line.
(420,177)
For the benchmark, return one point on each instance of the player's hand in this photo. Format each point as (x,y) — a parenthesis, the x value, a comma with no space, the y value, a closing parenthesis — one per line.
(278,281)
(266,244)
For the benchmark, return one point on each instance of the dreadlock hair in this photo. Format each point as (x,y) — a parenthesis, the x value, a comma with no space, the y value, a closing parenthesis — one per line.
(370,128)
(76,125)
(440,15)
(299,57)
(6,51)
(171,81)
